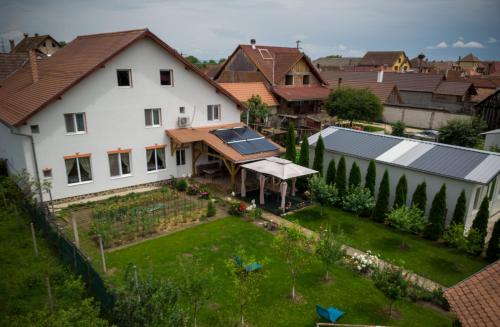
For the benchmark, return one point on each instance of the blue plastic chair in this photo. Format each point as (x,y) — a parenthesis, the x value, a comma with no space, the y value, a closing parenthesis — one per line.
(251,267)
(331,314)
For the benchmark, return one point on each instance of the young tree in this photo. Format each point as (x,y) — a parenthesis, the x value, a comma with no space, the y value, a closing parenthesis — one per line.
(382,204)
(257,110)
(291,150)
(354,175)
(398,128)
(462,132)
(245,283)
(295,249)
(331,172)
(304,153)
(330,249)
(353,104)
(437,215)
(419,198)
(371,175)
(458,216)
(340,178)
(480,223)
(319,152)
(401,192)
(392,283)
(493,250)
(323,193)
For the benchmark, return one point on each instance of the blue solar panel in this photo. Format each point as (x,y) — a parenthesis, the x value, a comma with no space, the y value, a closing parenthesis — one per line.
(245,140)
(228,135)
(263,145)
(243,147)
(246,133)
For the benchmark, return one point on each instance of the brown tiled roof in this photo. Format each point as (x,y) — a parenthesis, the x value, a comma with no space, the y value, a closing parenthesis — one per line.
(203,134)
(32,42)
(380,58)
(302,93)
(337,62)
(20,98)
(382,90)
(476,300)
(455,88)
(244,91)
(470,57)
(10,62)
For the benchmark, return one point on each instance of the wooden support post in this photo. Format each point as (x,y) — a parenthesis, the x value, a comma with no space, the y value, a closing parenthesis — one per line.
(103,259)
(49,295)
(233,171)
(33,235)
(75,231)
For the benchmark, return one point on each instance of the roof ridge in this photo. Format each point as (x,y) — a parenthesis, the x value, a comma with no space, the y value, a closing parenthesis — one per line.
(270,46)
(111,33)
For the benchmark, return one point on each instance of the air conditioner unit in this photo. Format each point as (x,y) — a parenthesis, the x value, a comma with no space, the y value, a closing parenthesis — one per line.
(183,122)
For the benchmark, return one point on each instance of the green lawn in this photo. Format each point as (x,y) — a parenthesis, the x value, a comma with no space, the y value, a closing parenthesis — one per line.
(430,259)
(217,241)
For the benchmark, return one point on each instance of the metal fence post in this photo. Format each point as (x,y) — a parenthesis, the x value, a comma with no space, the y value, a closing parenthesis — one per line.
(102,254)
(75,231)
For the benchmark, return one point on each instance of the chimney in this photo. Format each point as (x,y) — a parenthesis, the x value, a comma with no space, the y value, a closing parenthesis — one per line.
(252,42)
(34,66)
(36,34)
(25,35)
(380,76)
(12,46)
(339,82)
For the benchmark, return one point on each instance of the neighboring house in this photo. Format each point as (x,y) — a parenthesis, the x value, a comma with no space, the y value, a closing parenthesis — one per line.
(476,299)
(492,139)
(388,93)
(489,110)
(476,172)
(484,88)
(387,60)
(471,65)
(421,65)
(94,117)
(287,72)
(42,43)
(336,63)
(11,62)
(244,91)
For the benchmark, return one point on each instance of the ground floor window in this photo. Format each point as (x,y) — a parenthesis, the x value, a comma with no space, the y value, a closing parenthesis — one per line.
(78,169)
(155,158)
(180,156)
(119,163)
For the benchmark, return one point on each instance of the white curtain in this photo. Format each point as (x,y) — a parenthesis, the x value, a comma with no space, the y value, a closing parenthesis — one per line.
(70,164)
(114,169)
(283,187)
(149,156)
(243,179)
(125,157)
(85,171)
(161,158)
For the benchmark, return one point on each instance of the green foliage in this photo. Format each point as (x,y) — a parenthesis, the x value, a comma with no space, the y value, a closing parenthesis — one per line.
(181,184)
(319,152)
(458,216)
(340,178)
(359,200)
(493,250)
(419,198)
(406,219)
(392,283)
(211,208)
(382,204)
(371,175)
(324,194)
(401,192)
(398,128)
(291,149)
(354,175)
(471,244)
(331,172)
(480,223)
(353,104)
(304,153)
(257,109)
(330,248)
(437,215)
(462,132)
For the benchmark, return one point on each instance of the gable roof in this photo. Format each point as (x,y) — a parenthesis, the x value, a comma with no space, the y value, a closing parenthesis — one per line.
(20,98)
(381,58)
(284,59)
(302,93)
(476,300)
(449,161)
(337,62)
(32,42)
(459,88)
(382,90)
(10,62)
(470,57)
(244,91)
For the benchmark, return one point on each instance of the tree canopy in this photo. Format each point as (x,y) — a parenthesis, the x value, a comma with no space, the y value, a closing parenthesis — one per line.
(352,104)
(462,132)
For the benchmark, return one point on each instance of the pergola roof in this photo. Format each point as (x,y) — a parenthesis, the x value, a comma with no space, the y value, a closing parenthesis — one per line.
(281,168)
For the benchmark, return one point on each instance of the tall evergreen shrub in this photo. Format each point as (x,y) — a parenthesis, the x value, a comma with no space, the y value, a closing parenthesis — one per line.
(331,172)
(480,223)
(340,178)
(419,198)
(458,216)
(382,205)
(354,175)
(493,251)
(291,150)
(401,192)
(437,215)
(319,152)
(371,176)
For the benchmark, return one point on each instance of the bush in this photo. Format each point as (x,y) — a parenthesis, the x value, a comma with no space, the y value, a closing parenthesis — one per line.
(480,223)
(181,184)
(331,172)
(407,219)
(392,283)
(321,192)
(304,153)
(471,243)
(192,190)
(211,209)
(340,178)
(291,150)
(462,132)
(458,216)
(398,128)
(437,215)
(371,174)
(359,200)
(417,293)
(382,205)
(237,208)
(419,198)
(493,251)
(354,176)
(401,192)
(319,152)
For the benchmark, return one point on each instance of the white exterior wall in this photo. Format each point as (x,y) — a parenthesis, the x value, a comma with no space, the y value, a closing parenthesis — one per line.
(453,187)
(17,150)
(115,119)
(492,140)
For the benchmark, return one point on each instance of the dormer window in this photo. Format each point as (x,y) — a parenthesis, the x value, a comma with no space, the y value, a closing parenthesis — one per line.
(124,77)
(289,80)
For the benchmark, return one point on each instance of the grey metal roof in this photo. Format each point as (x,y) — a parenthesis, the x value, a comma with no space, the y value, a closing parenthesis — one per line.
(364,145)
(407,158)
(482,172)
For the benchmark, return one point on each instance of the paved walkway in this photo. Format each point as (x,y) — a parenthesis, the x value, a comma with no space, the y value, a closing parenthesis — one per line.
(350,251)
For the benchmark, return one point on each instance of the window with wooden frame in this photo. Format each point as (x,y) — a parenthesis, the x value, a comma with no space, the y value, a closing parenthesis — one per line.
(119,163)
(213,112)
(180,157)
(75,123)
(289,80)
(305,79)
(155,157)
(153,117)
(78,168)
(124,77)
(166,77)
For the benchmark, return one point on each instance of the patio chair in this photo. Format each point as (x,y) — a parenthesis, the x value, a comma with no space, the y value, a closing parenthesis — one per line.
(249,268)
(331,314)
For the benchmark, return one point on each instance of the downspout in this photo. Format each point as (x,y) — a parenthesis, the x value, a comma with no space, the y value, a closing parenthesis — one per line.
(37,175)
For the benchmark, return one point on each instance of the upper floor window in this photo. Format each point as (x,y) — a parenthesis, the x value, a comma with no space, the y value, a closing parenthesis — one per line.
(78,169)
(305,79)
(124,77)
(75,123)
(155,157)
(153,117)
(166,77)
(35,129)
(289,80)
(182,110)
(180,157)
(213,112)
(119,163)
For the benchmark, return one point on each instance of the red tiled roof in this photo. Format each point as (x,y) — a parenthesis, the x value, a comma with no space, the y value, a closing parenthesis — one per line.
(20,98)
(32,42)
(302,93)
(380,58)
(476,300)
(454,88)
(244,91)
(10,62)
(470,57)
(382,90)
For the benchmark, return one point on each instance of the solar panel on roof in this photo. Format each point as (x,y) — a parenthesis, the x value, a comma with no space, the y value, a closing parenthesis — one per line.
(228,135)
(246,133)
(263,145)
(243,147)
(245,140)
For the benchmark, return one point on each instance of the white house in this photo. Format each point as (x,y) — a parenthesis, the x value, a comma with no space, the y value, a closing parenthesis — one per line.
(492,139)
(93,117)
(476,172)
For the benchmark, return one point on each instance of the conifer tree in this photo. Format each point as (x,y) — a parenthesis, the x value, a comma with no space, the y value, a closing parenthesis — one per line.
(340,178)
(304,153)
(382,205)
(291,150)
(419,199)
(493,251)
(401,192)
(437,215)
(354,175)
(371,176)
(319,152)
(331,172)
(458,216)
(480,223)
